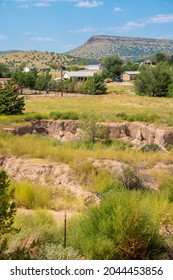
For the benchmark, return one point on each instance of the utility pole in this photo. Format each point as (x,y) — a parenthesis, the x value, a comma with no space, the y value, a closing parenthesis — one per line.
(65,230)
(61,83)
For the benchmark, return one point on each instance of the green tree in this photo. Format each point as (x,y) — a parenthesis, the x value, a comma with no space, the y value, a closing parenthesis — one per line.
(129,66)
(30,79)
(92,130)
(42,81)
(112,66)
(4,71)
(10,102)
(7,206)
(54,85)
(160,57)
(18,77)
(7,211)
(95,85)
(154,81)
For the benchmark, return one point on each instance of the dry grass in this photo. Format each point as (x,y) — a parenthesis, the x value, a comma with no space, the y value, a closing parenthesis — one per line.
(34,58)
(106,107)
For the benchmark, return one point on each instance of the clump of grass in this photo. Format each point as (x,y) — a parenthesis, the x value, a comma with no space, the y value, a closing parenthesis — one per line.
(64,199)
(38,225)
(64,115)
(138,117)
(150,148)
(57,252)
(94,179)
(32,196)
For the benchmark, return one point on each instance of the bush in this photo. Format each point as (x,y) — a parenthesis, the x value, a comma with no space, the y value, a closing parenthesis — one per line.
(57,252)
(92,130)
(95,85)
(130,178)
(150,148)
(32,196)
(123,227)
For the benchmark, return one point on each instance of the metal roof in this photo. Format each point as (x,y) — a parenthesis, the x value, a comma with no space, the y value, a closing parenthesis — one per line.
(132,72)
(79,74)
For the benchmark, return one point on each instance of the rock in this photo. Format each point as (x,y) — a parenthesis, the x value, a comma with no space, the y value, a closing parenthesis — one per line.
(68,130)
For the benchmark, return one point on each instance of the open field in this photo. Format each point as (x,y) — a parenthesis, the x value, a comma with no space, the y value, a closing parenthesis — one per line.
(82,178)
(116,106)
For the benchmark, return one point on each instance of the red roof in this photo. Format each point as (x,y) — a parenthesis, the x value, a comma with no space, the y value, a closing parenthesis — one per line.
(3,80)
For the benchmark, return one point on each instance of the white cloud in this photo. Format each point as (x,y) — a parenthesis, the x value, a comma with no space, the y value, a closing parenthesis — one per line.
(132,24)
(86,29)
(2,37)
(30,33)
(87,4)
(42,39)
(24,6)
(42,4)
(162,18)
(21,1)
(117,9)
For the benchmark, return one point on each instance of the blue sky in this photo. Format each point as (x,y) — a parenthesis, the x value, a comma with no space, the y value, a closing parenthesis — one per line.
(61,25)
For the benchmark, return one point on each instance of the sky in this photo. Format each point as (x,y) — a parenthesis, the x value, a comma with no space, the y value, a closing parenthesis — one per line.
(62,25)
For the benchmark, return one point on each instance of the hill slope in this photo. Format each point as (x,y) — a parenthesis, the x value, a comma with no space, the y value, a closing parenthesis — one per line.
(131,48)
(34,58)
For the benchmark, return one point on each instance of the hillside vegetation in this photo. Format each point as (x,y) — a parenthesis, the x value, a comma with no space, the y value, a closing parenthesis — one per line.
(34,58)
(101,46)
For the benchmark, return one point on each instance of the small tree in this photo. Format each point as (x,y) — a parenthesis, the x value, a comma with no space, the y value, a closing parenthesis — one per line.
(92,130)
(154,81)
(10,102)
(42,81)
(112,66)
(7,206)
(95,85)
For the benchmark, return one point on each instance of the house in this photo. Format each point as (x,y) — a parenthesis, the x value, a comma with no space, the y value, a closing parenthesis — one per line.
(4,80)
(26,69)
(94,66)
(146,62)
(129,75)
(80,75)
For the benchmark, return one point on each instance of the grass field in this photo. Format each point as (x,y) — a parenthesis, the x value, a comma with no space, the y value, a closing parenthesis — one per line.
(116,222)
(116,106)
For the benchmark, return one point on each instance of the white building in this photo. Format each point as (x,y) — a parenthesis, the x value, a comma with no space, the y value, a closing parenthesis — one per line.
(26,69)
(80,75)
(94,66)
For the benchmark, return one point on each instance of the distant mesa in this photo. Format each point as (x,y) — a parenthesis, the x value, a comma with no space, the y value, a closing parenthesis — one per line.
(129,48)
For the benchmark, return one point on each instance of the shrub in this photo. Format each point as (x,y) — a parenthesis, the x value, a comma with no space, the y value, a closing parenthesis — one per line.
(121,227)
(57,252)
(32,196)
(92,130)
(150,148)
(130,178)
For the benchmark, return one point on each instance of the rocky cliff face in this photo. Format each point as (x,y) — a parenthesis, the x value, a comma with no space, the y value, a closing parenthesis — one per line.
(136,132)
(133,48)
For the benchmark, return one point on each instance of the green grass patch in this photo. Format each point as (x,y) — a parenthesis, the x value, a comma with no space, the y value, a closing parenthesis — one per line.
(32,196)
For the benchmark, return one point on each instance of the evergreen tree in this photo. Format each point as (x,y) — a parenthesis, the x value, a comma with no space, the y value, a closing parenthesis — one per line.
(10,102)
(95,85)
(7,212)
